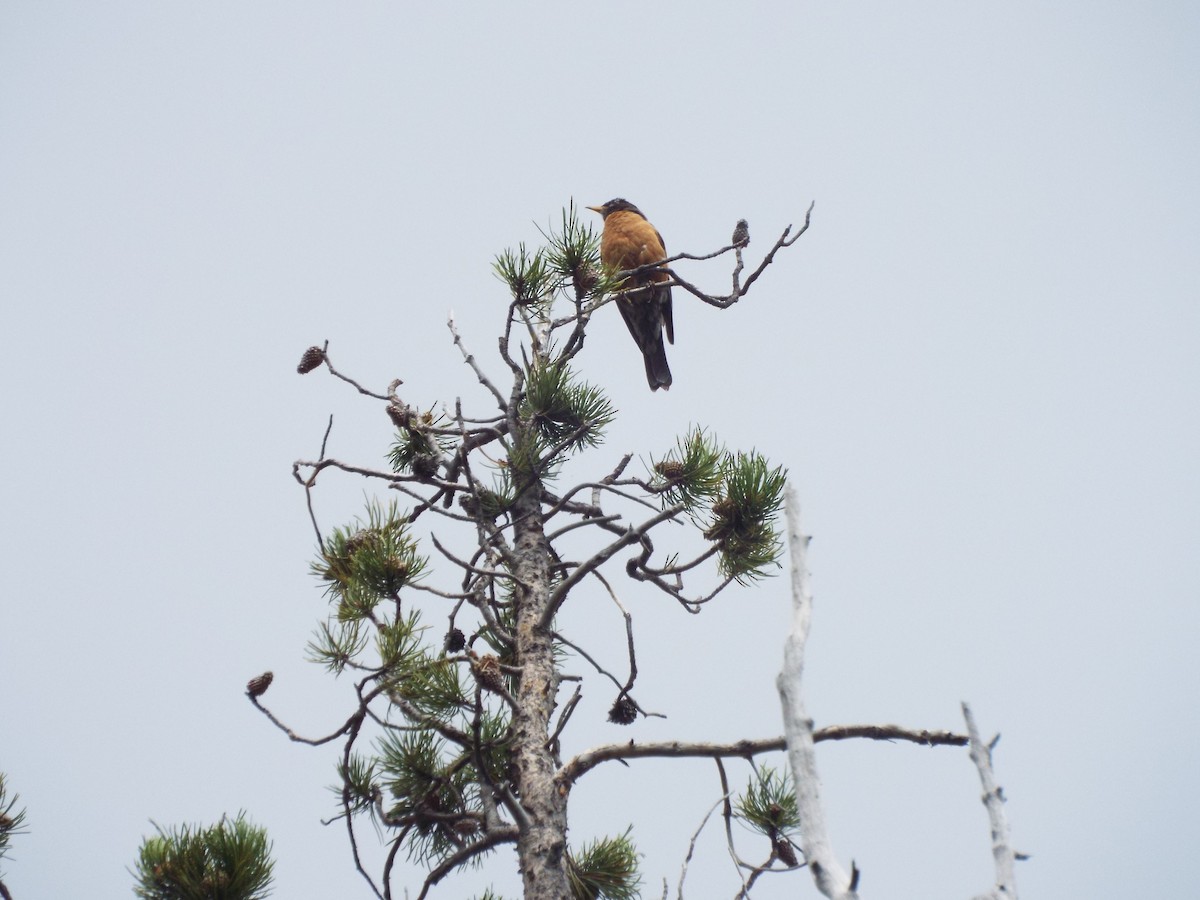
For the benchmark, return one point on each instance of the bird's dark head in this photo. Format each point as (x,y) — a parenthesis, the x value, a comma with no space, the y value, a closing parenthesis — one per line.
(616,205)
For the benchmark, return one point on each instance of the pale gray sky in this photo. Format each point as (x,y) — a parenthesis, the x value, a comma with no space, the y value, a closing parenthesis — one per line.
(980,365)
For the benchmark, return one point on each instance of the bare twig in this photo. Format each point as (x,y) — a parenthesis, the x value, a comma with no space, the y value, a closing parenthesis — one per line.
(727,816)
(507,835)
(308,486)
(564,717)
(692,843)
(632,536)
(628,630)
(346,728)
(349,380)
(470,360)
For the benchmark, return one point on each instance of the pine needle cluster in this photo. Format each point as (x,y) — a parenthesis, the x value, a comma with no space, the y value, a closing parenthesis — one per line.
(529,278)
(735,497)
(230,860)
(369,562)
(12,820)
(605,869)
(418,447)
(567,414)
(768,806)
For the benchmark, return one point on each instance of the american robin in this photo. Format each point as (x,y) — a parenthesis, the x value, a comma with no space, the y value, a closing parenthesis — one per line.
(629,241)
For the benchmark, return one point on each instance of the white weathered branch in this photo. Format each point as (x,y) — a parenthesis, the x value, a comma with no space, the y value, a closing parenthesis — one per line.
(831,879)
(993,799)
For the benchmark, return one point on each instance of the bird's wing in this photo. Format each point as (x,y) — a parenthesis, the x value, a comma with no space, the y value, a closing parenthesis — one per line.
(663,295)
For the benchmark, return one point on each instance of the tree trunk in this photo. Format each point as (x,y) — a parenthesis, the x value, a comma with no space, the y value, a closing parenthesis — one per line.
(542,845)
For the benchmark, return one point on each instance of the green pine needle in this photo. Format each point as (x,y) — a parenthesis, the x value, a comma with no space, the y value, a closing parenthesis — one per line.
(699,459)
(769,803)
(416,442)
(336,649)
(370,561)
(562,409)
(230,860)
(605,869)
(530,280)
(573,255)
(12,820)
(744,516)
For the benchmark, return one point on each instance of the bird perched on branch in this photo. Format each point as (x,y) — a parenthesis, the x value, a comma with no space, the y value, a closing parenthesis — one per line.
(630,241)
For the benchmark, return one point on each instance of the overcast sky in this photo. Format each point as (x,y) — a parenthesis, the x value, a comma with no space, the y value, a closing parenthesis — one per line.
(980,366)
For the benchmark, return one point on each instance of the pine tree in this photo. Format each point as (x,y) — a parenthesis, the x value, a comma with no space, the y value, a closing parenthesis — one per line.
(475,763)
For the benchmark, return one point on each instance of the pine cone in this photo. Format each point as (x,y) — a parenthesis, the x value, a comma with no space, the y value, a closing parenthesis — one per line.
(312,358)
(395,568)
(258,686)
(360,539)
(398,415)
(724,508)
(784,850)
(487,673)
(455,640)
(623,712)
(670,469)
(584,279)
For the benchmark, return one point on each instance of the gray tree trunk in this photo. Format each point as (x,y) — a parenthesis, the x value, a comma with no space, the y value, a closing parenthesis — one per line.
(542,846)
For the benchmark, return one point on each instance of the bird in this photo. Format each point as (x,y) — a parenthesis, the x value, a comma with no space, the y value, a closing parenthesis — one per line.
(630,241)
(741,234)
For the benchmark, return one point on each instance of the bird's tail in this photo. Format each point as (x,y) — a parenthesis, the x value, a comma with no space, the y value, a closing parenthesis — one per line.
(643,315)
(658,374)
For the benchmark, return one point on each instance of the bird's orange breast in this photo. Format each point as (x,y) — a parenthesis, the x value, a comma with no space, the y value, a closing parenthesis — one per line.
(629,241)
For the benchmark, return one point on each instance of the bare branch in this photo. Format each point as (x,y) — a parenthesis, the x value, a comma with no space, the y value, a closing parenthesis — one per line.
(349,725)
(692,843)
(470,360)
(589,759)
(466,566)
(993,800)
(632,536)
(351,381)
(628,630)
(489,841)
(831,879)
(308,486)
(727,816)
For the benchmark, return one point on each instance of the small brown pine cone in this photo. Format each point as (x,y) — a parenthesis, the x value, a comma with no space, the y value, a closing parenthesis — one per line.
(6,823)
(258,686)
(724,508)
(312,358)
(487,673)
(358,540)
(455,640)
(784,850)
(623,712)
(584,279)
(398,415)
(670,469)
